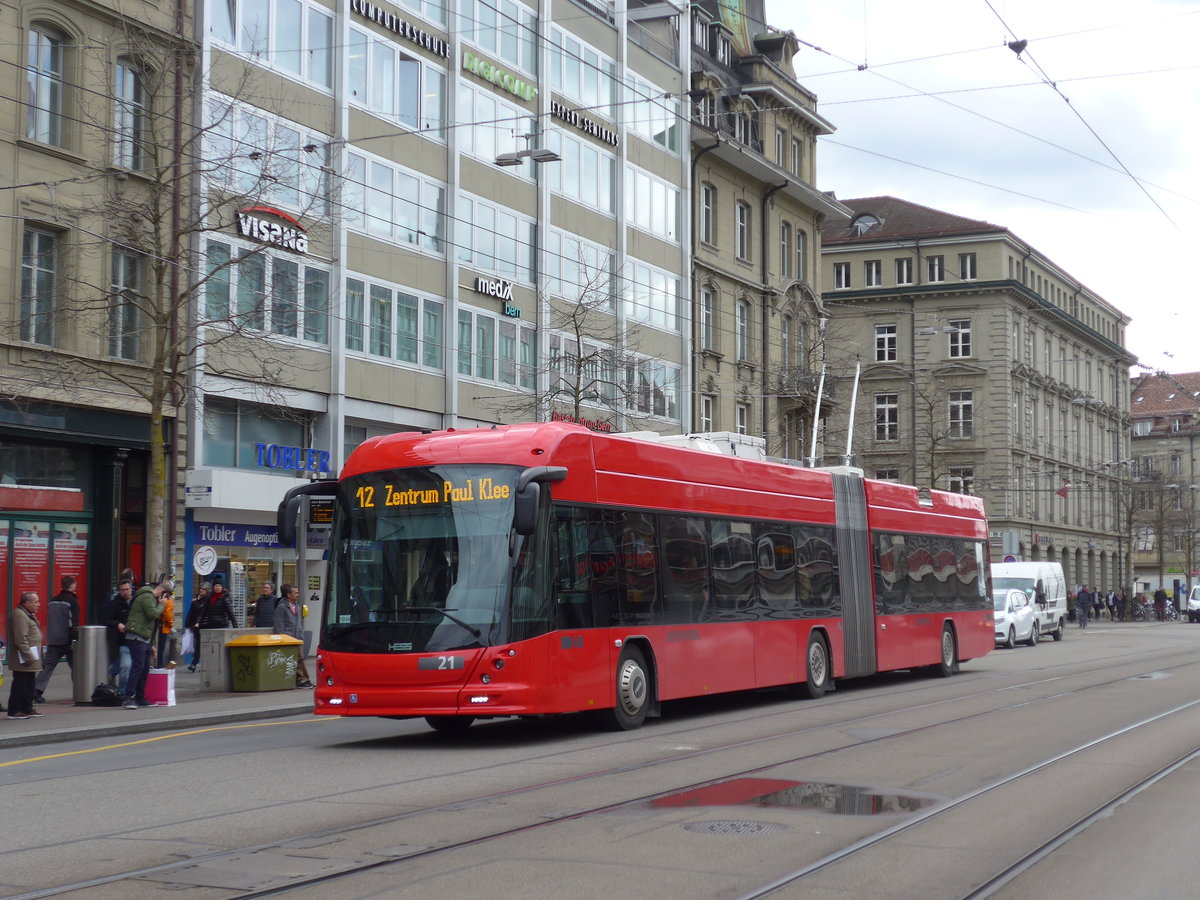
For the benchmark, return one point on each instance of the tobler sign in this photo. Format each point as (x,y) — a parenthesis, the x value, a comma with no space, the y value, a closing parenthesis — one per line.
(289,236)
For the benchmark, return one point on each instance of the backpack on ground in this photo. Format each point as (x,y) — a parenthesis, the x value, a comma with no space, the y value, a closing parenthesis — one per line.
(106,695)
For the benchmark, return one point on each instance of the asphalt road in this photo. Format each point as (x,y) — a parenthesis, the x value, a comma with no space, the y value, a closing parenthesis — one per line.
(1064,770)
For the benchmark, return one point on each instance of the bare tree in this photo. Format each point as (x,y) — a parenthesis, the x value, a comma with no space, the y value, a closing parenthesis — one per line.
(592,367)
(148,307)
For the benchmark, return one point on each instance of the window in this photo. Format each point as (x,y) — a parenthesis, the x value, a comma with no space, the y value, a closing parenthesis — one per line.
(801,254)
(269,158)
(796,158)
(873,273)
(742,230)
(707,304)
(966,267)
(380,318)
(577,71)
(652,204)
(841,275)
(39,285)
(652,387)
(890,474)
(706,110)
(494,239)
(742,330)
(786,348)
(395,204)
(785,250)
(724,48)
(651,295)
(123,305)
(577,269)
(960,340)
(962,405)
(887,417)
(742,418)
(290,36)
(700,26)
(904,270)
(885,343)
(962,479)
(936,266)
(780,142)
(386,80)
(129,116)
(495,348)
(706,413)
(708,210)
(585,174)
(652,113)
(233,432)
(264,292)
(506,30)
(44,86)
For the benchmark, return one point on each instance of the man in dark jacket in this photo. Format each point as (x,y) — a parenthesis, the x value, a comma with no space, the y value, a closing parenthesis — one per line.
(62,617)
(264,607)
(289,620)
(115,614)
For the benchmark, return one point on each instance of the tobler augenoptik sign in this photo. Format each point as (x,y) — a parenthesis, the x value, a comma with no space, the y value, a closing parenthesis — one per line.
(259,223)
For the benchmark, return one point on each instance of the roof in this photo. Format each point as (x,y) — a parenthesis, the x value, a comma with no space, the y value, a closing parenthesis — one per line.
(900,219)
(1164,395)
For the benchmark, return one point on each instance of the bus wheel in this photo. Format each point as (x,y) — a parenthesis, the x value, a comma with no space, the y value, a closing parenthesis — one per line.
(949,661)
(816,668)
(450,724)
(633,692)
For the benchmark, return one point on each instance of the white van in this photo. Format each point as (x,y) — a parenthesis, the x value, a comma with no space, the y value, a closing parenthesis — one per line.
(1193,604)
(1045,585)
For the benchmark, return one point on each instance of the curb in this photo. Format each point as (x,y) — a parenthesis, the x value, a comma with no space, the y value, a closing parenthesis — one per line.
(140,726)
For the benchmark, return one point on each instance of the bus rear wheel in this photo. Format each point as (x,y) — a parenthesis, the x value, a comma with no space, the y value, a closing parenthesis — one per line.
(450,724)
(633,692)
(949,661)
(816,665)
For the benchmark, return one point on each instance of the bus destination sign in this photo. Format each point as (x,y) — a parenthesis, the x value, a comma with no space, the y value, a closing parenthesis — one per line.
(470,490)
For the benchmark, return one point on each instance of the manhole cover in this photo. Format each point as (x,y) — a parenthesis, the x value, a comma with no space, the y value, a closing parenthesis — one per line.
(733,827)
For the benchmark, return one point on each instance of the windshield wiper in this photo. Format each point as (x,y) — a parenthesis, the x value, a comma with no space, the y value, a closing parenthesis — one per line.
(455,619)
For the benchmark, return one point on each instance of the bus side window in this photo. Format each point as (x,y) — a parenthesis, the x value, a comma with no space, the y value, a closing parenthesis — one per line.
(685,571)
(638,556)
(573,568)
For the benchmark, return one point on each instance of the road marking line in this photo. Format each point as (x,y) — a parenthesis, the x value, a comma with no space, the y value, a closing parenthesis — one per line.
(161,737)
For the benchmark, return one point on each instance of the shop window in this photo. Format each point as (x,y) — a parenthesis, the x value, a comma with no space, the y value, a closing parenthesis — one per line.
(234,430)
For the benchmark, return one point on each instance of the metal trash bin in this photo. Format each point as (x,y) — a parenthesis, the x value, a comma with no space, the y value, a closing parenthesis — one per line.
(89,662)
(264,662)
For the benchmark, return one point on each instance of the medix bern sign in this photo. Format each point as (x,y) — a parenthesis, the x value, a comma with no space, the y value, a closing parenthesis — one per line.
(290,237)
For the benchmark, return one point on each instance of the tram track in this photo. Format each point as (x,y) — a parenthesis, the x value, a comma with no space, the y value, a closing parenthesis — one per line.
(1161,664)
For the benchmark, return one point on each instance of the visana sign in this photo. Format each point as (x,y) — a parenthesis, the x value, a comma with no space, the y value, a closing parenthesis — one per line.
(489,71)
(289,237)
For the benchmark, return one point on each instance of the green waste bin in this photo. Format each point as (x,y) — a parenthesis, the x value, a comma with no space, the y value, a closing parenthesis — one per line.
(264,662)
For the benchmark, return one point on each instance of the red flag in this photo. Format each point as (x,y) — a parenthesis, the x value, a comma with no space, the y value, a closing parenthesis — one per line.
(1062,491)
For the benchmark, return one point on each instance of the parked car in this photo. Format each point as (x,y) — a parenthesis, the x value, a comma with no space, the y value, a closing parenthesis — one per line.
(1016,619)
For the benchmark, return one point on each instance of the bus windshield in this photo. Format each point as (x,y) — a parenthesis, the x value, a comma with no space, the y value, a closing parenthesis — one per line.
(422,560)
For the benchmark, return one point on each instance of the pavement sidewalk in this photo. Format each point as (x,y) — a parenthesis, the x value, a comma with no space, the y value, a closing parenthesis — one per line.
(194,707)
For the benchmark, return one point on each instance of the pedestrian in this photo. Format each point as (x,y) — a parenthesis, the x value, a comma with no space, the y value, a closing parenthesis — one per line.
(264,607)
(1119,600)
(116,612)
(166,630)
(24,655)
(62,617)
(1160,604)
(144,613)
(1083,604)
(1072,604)
(197,618)
(220,610)
(290,621)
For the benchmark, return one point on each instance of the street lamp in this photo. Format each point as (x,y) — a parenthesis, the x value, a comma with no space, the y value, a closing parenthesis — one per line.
(537,154)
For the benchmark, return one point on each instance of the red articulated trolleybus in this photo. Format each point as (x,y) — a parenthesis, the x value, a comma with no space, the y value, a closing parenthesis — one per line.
(543,569)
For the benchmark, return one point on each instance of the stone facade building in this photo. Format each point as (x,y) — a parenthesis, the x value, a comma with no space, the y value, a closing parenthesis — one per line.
(986,369)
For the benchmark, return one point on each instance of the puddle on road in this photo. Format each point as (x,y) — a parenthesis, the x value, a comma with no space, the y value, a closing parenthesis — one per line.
(838,799)
(1152,675)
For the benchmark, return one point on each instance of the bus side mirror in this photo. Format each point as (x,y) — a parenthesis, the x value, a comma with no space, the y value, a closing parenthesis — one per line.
(525,509)
(529,492)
